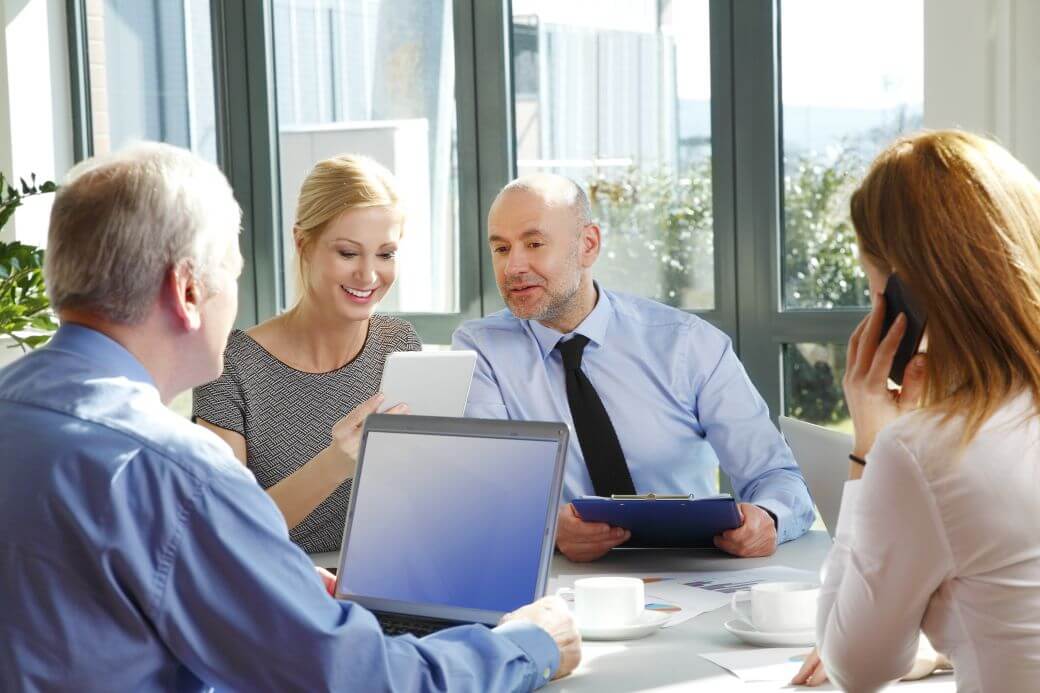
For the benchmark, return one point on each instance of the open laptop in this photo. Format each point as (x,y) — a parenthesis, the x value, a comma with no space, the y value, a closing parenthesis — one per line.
(451,520)
(822,455)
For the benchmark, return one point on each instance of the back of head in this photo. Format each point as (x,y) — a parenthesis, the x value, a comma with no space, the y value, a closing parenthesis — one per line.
(122,220)
(337,185)
(958,218)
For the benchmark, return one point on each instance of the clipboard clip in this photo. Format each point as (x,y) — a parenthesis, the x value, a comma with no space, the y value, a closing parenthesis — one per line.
(649,496)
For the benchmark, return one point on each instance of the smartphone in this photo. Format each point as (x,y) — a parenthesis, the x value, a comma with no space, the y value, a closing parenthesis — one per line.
(898,300)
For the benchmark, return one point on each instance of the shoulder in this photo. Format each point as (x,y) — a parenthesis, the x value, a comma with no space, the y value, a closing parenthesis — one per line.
(497,325)
(650,315)
(240,349)
(393,333)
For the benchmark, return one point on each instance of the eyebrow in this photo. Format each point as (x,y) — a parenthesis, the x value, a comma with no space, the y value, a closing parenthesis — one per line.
(526,234)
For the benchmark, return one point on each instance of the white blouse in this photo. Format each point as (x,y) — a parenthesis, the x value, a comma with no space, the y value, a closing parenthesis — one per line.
(948,544)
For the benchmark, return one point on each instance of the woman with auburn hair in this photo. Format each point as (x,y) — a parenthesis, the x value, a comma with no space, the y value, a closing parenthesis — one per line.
(941,533)
(288,382)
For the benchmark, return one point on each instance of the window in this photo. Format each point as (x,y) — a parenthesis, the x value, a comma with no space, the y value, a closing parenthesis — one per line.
(151,74)
(617,96)
(812,380)
(853,79)
(377,78)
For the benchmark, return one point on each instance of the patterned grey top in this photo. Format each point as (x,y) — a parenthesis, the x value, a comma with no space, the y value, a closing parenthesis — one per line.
(286,415)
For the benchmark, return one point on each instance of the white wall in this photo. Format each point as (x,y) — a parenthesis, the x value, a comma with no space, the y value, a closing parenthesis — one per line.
(982,71)
(35,106)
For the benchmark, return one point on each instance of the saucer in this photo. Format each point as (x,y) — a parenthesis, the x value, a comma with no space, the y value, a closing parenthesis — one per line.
(749,634)
(648,622)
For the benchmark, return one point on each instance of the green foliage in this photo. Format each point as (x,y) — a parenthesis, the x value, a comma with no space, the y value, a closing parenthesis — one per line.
(658,237)
(658,224)
(821,268)
(23,299)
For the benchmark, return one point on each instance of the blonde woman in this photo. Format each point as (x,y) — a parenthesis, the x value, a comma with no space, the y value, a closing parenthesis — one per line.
(288,382)
(942,533)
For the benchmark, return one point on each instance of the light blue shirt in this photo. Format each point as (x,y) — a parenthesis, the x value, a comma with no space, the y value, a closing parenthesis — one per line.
(677,396)
(137,554)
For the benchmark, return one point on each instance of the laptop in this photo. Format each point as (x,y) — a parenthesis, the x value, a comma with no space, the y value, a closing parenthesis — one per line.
(451,520)
(822,455)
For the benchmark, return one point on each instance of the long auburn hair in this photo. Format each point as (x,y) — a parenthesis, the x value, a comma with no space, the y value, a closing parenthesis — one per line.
(958,218)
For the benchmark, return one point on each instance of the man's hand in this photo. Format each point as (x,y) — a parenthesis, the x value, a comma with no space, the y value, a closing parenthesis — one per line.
(586,541)
(551,615)
(756,535)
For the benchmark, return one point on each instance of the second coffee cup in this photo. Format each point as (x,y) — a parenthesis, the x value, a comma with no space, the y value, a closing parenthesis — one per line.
(607,602)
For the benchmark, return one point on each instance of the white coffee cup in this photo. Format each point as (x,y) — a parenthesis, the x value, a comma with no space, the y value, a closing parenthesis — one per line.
(607,602)
(778,606)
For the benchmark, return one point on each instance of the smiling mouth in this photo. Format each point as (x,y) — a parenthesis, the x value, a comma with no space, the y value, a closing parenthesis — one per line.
(359,293)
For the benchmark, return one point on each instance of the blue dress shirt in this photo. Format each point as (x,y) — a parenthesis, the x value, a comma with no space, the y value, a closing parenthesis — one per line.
(677,395)
(137,554)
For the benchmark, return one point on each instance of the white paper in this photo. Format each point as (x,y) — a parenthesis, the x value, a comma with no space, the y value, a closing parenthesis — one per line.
(771,664)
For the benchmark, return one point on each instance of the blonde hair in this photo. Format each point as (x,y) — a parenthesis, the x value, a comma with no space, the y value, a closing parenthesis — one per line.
(958,218)
(337,185)
(122,220)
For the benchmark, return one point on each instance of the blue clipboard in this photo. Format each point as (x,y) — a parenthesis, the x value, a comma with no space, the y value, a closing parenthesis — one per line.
(670,522)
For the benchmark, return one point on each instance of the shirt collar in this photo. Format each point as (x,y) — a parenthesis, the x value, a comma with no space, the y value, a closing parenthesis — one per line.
(594,326)
(101,349)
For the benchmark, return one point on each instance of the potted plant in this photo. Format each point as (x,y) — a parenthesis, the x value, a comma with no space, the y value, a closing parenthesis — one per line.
(26,320)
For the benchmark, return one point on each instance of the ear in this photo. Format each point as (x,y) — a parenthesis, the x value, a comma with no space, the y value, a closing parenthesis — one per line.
(297,235)
(183,295)
(591,242)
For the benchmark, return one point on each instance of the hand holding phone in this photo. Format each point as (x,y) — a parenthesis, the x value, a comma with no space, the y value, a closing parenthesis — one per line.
(898,300)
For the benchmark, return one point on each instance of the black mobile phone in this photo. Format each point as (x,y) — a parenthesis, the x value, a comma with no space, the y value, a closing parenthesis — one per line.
(899,300)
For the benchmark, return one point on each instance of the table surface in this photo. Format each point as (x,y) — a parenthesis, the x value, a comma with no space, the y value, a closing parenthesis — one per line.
(668,660)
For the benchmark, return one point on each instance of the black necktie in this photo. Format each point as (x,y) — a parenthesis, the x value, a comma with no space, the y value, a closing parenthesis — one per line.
(596,435)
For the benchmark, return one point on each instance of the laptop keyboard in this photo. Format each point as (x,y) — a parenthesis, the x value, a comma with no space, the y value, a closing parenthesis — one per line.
(400,624)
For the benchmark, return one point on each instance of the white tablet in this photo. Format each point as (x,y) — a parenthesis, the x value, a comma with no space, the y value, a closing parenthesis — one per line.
(431,383)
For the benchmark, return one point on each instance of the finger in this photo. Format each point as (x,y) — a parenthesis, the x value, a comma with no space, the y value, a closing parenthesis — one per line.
(818,676)
(913,382)
(871,335)
(881,365)
(853,348)
(808,666)
(401,408)
(614,534)
(367,407)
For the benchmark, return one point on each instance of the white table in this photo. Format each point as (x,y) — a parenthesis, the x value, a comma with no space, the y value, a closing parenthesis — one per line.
(668,660)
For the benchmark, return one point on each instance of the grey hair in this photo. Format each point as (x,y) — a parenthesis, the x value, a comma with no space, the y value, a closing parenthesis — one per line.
(555,189)
(122,220)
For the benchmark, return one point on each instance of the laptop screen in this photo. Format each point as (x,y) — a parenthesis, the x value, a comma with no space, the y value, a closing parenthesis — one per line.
(449,520)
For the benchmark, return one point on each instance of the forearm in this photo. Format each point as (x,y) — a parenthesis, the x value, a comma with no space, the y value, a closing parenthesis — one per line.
(298,494)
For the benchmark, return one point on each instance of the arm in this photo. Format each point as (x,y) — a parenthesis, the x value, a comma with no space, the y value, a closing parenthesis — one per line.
(243,609)
(298,494)
(890,555)
(750,449)
(485,397)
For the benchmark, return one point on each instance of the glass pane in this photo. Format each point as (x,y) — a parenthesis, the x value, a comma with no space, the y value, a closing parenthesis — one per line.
(617,95)
(375,77)
(151,74)
(812,384)
(853,79)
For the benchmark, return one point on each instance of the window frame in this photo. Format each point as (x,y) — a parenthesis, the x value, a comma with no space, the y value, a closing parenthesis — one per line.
(747,175)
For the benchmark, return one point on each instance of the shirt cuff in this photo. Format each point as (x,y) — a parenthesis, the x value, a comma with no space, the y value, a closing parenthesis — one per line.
(781,516)
(538,645)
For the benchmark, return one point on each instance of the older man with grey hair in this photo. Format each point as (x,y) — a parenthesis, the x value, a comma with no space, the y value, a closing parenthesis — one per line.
(656,397)
(136,552)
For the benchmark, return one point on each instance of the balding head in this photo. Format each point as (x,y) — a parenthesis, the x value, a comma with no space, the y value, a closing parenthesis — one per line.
(555,191)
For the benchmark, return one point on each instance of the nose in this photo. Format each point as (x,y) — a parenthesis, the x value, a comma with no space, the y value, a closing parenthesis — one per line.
(516,262)
(365,271)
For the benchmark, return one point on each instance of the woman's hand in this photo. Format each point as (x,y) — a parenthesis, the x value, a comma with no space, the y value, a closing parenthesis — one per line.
(346,433)
(871,404)
(927,661)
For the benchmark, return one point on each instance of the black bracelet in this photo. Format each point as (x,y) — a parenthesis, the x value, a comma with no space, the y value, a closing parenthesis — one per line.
(857,459)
